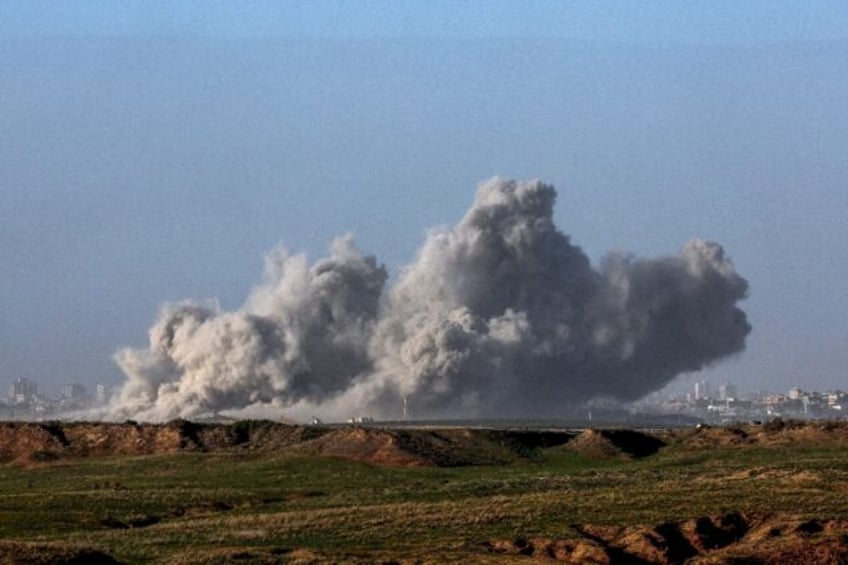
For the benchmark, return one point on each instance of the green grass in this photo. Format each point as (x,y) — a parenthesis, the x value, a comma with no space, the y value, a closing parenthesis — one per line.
(203,507)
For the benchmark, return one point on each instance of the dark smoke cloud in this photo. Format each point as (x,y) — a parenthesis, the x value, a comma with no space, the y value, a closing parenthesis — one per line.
(500,315)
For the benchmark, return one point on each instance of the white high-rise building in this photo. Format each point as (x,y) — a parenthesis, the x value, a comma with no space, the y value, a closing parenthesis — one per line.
(702,390)
(102,393)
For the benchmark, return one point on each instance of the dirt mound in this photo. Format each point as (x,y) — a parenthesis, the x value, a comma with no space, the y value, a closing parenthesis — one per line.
(569,551)
(51,554)
(263,435)
(98,439)
(22,439)
(43,441)
(443,448)
(778,431)
(615,444)
(361,444)
(34,444)
(708,437)
(774,432)
(730,538)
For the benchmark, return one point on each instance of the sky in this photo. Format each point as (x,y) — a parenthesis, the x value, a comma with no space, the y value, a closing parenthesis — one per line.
(152,152)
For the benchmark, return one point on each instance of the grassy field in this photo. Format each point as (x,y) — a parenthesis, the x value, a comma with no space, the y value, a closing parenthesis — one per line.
(237,506)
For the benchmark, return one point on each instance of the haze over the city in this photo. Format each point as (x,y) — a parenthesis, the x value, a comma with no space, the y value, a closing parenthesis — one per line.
(153,153)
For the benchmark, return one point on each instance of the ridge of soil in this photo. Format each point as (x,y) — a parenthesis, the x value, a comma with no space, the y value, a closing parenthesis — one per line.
(35,443)
(43,443)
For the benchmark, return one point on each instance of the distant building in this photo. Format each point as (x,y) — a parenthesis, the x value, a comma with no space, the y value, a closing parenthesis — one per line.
(773,398)
(702,390)
(102,393)
(795,393)
(23,391)
(360,420)
(835,400)
(727,391)
(73,391)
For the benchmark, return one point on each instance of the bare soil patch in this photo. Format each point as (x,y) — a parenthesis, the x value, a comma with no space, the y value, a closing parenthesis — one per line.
(729,538)
(15,552)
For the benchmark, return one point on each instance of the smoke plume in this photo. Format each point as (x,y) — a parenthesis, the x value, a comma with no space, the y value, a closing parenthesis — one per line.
(499,316)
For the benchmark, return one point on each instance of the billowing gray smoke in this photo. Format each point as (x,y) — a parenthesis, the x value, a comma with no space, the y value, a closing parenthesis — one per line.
(499,316)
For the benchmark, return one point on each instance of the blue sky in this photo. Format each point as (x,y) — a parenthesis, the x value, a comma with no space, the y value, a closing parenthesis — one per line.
(697,21)
(154,151)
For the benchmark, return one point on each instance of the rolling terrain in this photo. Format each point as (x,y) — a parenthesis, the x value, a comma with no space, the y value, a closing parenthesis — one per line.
(264,492)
